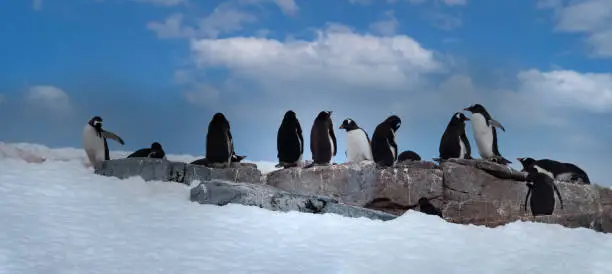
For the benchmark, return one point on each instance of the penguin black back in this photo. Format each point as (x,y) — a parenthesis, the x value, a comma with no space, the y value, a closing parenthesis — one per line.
(408,155)
(219,145)
(289,140)
(155,151)
(541,193)
(384,146)
(454,137)
(578,173)
(322,139)
(554,168)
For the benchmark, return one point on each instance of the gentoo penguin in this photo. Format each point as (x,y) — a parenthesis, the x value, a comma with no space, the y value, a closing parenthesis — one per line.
(483,128)
(94,141)
(219,143)
(408,155)
(357,142)
(155,151)
(205,162)
(384,146)
(454,143)
(428,208)
(289,141)
(556,170)
(541,188)
(322,139)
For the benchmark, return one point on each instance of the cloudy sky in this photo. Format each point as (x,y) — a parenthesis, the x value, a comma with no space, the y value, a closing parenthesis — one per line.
(157,70)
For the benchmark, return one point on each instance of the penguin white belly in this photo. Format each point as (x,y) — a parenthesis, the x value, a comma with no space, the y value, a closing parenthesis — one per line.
(544,171)
(393,150)
(358,148)
(483,135)
(93,144)
(461,149)
(331,145)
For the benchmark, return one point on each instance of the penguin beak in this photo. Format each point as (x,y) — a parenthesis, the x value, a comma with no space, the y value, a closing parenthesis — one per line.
(466,119)
(519,159)
(341,127)
(467,109)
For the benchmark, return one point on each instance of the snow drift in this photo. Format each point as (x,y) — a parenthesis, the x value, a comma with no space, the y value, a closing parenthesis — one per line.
(59,217)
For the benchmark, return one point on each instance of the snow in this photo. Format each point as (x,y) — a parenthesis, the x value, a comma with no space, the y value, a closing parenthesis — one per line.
(59,217)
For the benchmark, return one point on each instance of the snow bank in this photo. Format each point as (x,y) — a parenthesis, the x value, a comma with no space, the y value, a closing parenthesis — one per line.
(35,153)
(58,217)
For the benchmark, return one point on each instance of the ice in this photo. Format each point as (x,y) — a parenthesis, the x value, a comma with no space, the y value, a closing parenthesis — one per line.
(58,217)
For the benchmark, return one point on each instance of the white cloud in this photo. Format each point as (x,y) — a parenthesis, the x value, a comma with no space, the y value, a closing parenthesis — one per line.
(165,3)
(337,56)
(37,4)
(49,97)
(202,94)
(445,21)
(287,6)
(360,2)
(590,92)
(591,17)
(386,26)
(225,18)
(172,27)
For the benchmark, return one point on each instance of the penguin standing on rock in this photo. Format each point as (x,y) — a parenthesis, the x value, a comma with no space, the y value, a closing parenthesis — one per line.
(483,128)
(541,188)
(322,139)
(219,143)
(454,143)
(357,141)
(384,146)
(289,141)
(94,141)
(155,151)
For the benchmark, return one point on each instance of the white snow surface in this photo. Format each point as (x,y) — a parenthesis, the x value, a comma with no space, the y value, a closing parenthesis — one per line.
(58,217)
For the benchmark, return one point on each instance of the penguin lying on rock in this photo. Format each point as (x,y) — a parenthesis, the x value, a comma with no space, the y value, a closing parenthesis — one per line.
(155,151)
(408,155)
(556,170)
(206,163)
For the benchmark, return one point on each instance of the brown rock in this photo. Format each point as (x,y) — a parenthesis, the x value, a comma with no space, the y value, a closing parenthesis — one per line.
(360,183)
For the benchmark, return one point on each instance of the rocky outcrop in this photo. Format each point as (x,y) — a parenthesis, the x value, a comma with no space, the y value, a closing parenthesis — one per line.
(359,183)
(467,191)
(222,192)
(163,170)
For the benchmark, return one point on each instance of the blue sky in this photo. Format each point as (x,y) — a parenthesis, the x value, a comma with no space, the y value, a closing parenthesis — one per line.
(157,70)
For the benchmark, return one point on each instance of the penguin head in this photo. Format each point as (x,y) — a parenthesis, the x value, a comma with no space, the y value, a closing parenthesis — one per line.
(156,146)
(290,115)
(96,122)
(394,122)
(476,108)
(459,116)
(527,162)
(219,119)
(348,124)
(324,115)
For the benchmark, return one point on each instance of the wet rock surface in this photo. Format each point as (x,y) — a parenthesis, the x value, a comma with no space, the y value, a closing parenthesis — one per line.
(222,193)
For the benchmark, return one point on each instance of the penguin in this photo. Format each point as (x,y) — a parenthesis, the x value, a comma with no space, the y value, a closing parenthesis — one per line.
(289,141)
(483,128)
(94,141)
(219,143)
(322,139)
(155,151)
(408,155)
(541,188)
(426,207)
(205,162)
(384,146)
(454,142)
(358,144)
(556,170)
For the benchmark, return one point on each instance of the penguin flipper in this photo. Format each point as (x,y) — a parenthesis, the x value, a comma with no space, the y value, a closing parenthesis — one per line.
(497,124)
(109,135)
